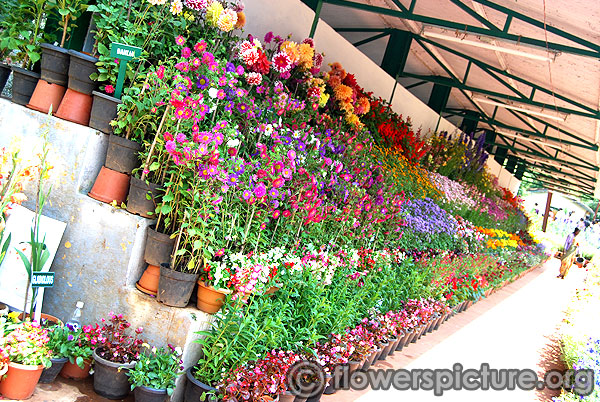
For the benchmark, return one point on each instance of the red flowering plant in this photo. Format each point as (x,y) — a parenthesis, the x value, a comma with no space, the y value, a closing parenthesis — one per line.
(381,333)
(114,343)
(261,380)
(4,361)
(336,351)
(28,344)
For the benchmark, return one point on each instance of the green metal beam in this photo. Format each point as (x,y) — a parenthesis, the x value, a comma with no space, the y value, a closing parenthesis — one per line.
(554,169)
(566,185)
(488,68)
(370,39)
(475,15)
(589,48)
(416,84)
(567,182)
(536,133)
(540,155)
(561,188)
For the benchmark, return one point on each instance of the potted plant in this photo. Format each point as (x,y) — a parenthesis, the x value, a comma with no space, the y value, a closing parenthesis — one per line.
(22,34)
(59,339)
(79,350)
(153,376)
(27,349)
(116,352)
(6,8)
(52,85)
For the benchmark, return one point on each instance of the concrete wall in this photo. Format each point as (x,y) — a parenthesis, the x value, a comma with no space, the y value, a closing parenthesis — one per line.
(101,254)
(295,18)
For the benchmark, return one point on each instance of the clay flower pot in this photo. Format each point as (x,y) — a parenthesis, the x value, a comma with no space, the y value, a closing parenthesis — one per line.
(73,371)
(46,96)
(174,287)
(20,381)
(75,107)
(110,186)
(104,110)
(142,196)
(80,68)
(24,82)
(110,379)
(159,247)
(55,64)
(209,299)
(148,283)
(5,71)
(122,154)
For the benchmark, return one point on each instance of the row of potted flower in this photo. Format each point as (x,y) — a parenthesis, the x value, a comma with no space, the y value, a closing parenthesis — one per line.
(32,352)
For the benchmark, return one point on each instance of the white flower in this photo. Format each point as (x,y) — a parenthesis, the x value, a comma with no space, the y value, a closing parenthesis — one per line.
(212,92)
(178,351)
(233,143)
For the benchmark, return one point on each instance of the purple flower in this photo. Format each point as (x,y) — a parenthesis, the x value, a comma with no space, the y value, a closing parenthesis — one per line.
(246,194)
(242,107)
(301,146)
(230,67)
(274,193)
(203,82)
(233,180)
(268,37)
(70,337)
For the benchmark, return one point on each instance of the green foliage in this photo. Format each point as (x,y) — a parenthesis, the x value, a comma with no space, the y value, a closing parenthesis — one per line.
(156,368)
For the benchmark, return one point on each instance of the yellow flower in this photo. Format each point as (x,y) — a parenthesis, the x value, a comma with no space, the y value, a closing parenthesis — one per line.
(291,49)
(227,20)
(306,55)
(213,12)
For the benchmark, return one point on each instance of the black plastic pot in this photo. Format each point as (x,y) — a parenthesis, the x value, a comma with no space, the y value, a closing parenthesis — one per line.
(393,344)
(147,394)
(49,373)
(104,110)
(319,391)
(80,68)
(194,389)
(370,359)
(110,379)
(24,82)
(4,74)
(175,288)
(122,154)
(403,341)
(385,349)
(55,64)
(137,200)
(158,247)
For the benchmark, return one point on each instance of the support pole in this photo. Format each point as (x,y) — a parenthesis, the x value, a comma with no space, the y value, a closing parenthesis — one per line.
(548,201)
(313,29)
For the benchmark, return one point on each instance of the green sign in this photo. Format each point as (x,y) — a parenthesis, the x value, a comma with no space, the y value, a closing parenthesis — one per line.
(124,53)
(42,280)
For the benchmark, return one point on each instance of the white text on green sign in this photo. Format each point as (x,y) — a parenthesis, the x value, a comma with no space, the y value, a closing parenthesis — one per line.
(42,280)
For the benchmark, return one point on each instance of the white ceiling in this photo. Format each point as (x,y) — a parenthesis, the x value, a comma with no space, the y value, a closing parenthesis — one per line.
(570,75)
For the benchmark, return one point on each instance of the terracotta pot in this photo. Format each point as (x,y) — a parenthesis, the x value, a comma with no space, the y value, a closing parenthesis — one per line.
(194,389)
(104,110)
(5,71)
(174,287)
(73,371)
(209,299)
(45,318)
(75,107)
(142,197)
(122,154)
(24,82)
(148,283)
(49,373)
(159,247)
(80,68)
(20,381)
(110,379)
(147,394)
(46,96)
(55,64)
(110,186)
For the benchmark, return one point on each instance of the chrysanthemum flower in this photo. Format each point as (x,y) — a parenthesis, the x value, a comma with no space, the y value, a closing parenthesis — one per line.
(254,78)
(291,49)
(342,92)
(157,2)
(176,7)
(213,12)
(227,20)
(281,62)
(196,5)
(241,20)
(306,55)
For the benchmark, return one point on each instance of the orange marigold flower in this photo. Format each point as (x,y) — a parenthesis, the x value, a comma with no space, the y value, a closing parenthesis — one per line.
(241,20)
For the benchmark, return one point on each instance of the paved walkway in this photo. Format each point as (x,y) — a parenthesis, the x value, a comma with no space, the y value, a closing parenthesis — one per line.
(513,328)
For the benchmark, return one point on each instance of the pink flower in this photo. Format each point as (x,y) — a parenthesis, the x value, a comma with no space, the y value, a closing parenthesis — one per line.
(180,40)
(260,190)
(109,89)
(186,52)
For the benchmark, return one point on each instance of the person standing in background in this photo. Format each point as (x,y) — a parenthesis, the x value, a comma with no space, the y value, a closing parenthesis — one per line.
(569,254)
